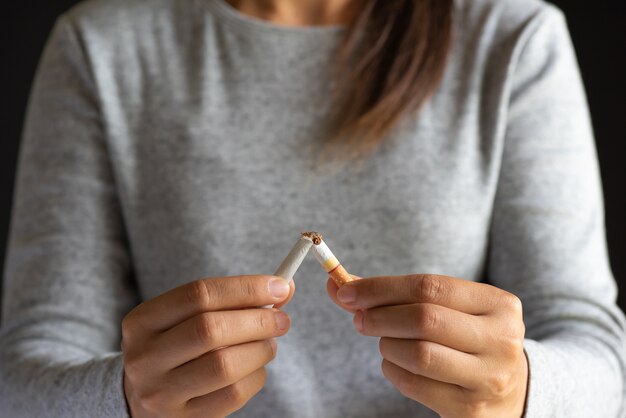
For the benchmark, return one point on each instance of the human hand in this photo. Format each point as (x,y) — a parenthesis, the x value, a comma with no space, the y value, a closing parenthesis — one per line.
(453,345)
(199,350)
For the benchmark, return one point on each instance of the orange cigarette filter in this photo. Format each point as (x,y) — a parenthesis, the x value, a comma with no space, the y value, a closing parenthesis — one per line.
(327,259)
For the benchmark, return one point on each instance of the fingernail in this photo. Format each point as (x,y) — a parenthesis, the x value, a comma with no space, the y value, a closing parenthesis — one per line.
(358,320)
(282,320)
(279,288)
(272,342)
(346,294)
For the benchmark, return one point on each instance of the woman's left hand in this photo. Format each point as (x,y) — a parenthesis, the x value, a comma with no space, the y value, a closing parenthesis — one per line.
(453,345)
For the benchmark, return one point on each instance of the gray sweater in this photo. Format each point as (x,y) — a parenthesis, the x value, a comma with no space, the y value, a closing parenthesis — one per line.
(169,140)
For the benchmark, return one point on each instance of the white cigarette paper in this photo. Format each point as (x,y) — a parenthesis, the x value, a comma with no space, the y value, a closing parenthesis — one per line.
(292,262)
(326,257)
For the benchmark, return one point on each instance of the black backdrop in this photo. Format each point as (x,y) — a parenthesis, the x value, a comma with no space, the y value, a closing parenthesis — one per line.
(598,29)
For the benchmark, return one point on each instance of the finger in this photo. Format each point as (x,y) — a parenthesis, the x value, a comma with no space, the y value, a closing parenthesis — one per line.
(211,330)
(439,396)
(292,290)
(461,295)
(229,399)
(434,361)
(425,321)
(206,295)
(220,368)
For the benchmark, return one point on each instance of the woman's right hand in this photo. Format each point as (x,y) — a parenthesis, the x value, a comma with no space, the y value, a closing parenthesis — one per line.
(199,350)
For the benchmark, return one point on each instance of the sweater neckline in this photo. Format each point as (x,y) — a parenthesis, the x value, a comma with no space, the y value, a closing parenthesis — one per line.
(252,24)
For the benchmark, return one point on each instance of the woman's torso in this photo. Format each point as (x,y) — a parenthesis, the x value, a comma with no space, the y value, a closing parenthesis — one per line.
(213,124)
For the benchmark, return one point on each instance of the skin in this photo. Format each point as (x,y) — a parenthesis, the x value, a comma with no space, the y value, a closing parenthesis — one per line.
(200,350)
(296,13)
(453,345)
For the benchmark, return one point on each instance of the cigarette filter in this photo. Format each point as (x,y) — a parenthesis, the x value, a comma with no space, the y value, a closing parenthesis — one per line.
(328,260)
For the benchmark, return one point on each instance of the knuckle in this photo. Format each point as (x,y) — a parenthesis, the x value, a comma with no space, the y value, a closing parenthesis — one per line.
(499,384)
(235,395)
(127,327)
(222,366)
(422,354)
(130,364)
(151,401)
(265,320)
(427,317)
(514,328)
(511,346)
(126,323)
(198,294)
(511,303)
(135,365)
(430,288)
(209,329)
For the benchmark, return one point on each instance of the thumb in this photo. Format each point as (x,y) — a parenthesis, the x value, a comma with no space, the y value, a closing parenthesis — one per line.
(332,288)
(292,290)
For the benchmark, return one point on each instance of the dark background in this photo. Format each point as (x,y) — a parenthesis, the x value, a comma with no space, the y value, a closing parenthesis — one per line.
(598,30)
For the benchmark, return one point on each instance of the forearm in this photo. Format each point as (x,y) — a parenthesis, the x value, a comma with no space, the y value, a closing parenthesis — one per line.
(34,382)
(575,375)
(576,347)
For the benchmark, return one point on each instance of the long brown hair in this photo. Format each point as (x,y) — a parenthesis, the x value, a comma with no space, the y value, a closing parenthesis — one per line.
(390,62)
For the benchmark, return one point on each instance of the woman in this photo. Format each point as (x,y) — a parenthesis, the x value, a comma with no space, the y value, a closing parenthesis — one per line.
(174,149)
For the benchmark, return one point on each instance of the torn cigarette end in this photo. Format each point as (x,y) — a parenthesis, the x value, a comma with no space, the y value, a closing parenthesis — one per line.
(316,237)
(328,260)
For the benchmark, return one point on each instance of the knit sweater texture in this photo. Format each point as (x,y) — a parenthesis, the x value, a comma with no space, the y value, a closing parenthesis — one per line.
(171,140)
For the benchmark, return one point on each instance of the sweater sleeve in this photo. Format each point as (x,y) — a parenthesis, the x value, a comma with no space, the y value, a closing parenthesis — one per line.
(548,241)
(67,274)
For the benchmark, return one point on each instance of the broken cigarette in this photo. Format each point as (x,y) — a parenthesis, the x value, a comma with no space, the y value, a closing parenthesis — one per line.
(290,264)
(328,260)
(312,240)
